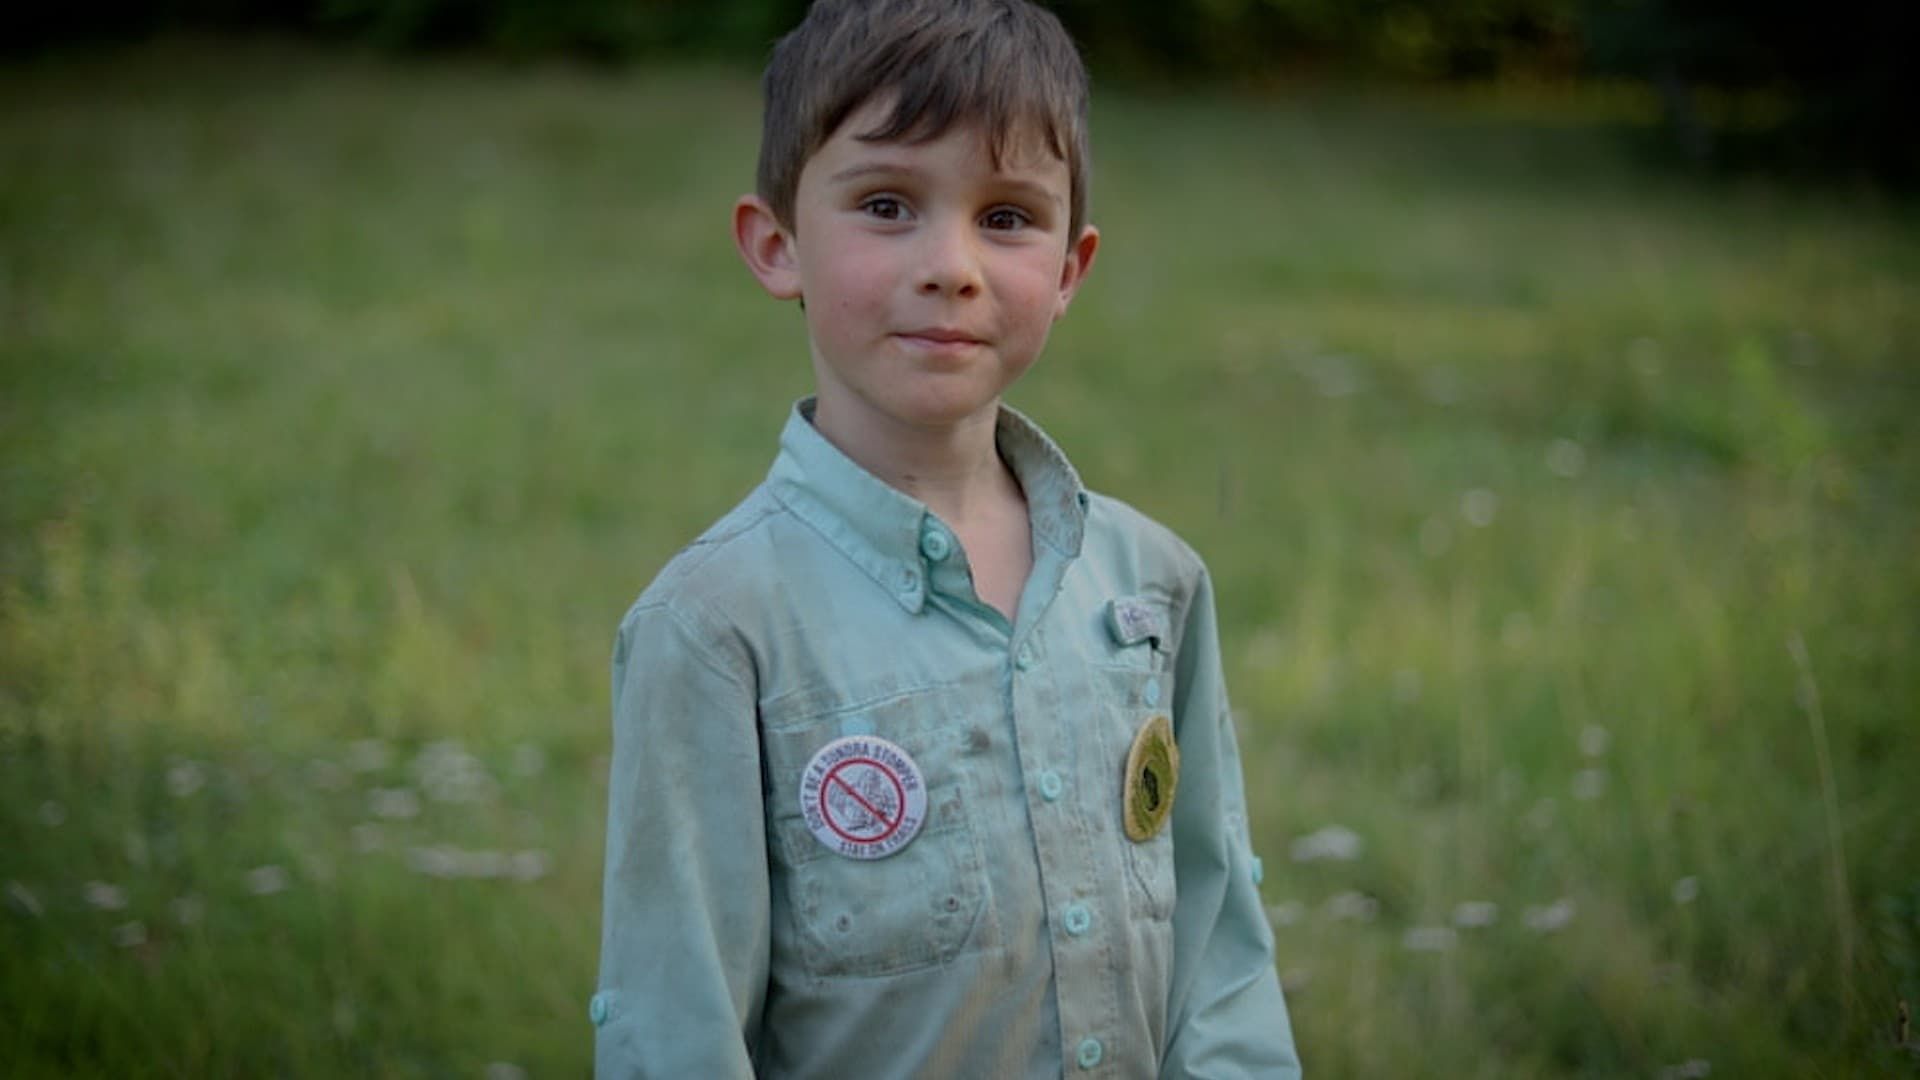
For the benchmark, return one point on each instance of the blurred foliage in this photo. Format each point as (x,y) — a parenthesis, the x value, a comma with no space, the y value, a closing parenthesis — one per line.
(1810,88)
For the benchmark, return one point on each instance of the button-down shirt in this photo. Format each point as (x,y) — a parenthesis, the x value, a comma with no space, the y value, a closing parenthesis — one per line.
(1019,933)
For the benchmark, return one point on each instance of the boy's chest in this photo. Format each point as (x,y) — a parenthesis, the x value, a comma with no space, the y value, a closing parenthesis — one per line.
(935,786)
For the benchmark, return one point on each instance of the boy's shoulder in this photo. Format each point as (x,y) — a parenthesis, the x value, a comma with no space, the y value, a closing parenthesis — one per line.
(1117,529)
(733,555)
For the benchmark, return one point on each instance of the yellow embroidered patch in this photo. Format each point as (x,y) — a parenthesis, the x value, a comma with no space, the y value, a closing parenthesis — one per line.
(1153,774)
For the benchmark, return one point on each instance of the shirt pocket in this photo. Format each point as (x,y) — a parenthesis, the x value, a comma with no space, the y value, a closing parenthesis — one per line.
(919,907)
(1131,693)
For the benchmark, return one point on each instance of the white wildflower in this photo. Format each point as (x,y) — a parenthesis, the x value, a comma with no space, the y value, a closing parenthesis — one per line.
(52,814)
(393,803)
(367,836)
(1286,913)
(531,865)
(1334,376)
(368,755)
(484,864)
(1589,784)
(1475,914)
(315,867)
(24,898)
(267,880)
(1479,507)
(103,896)
(188,910)
(1334,842)
(130,935)
(1686,890)
(1552,917)
(439,862)
(1354,906)
(1429,938)
(1594,740)
(184,778)
(1566,458)
(448,774)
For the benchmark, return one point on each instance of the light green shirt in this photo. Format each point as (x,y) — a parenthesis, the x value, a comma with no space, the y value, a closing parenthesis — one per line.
(1019,933)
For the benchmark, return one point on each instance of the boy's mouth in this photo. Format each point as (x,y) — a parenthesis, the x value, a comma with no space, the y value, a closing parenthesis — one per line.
(938,338)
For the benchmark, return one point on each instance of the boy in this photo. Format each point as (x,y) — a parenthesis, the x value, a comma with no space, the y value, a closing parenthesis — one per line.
(922,760)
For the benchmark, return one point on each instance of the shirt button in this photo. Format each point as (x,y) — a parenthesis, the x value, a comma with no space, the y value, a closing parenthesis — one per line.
(1259,870)
(909,579)
(1089,1053)
(935,545)
(1050,785)
(1024,658)
(1076,918)
(1151,692)
(597,1010)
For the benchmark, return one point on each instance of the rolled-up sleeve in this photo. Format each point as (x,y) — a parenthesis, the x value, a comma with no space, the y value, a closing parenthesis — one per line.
(684,937)
(1228,1016)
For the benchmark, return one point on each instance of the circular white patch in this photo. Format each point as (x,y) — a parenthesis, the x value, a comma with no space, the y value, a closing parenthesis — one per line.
(863,797)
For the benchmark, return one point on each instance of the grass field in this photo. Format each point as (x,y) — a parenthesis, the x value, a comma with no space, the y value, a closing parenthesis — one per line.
(1566,516)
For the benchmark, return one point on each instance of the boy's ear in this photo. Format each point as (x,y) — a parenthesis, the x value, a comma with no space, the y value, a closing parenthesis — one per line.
(766,246)
(1074,270)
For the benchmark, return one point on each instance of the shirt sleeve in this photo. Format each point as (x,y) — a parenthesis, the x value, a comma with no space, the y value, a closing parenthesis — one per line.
(684,938)
(1228,1017)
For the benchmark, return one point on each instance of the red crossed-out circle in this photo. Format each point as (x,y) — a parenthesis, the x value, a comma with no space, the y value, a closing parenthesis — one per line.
(899,801)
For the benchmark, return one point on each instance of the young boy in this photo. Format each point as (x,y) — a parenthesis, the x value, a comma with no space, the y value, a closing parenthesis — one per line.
(922,759)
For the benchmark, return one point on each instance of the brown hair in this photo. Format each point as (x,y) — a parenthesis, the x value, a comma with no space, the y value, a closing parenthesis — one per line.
(1007,65)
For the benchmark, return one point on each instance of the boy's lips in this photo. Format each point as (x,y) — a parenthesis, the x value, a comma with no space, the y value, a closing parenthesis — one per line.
(938,337)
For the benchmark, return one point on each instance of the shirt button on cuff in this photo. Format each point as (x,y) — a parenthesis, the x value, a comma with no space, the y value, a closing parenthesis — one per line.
(935,545)
(1151,692)
(1051,785)
(1024,658)
(1089,1053)
(1076,919)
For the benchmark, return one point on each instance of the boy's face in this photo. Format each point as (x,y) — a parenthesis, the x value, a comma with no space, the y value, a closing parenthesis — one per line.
(930,277)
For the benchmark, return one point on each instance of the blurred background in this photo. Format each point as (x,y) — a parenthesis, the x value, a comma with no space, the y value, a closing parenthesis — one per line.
(1537,377)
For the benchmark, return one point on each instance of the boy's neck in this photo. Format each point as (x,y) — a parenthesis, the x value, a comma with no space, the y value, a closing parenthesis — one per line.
(955,470)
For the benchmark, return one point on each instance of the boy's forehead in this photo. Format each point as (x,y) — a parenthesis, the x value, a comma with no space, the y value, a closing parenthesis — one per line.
(1023,147)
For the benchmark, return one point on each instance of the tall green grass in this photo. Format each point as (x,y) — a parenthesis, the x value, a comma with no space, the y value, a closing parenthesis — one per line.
(1564,515)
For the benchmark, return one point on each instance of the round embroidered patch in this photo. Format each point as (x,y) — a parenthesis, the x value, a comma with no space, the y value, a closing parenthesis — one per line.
(1152,777)
(863,797)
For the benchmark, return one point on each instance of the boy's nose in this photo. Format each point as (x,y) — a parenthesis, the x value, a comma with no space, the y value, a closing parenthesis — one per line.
(951,266)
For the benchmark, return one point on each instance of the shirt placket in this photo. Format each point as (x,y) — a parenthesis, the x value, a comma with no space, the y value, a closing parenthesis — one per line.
(1081,920)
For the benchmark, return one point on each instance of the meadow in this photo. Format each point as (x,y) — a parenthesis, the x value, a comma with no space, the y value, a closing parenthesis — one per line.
(1564,512)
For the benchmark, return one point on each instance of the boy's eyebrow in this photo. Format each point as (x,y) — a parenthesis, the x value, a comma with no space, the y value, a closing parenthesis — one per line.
(1032,188)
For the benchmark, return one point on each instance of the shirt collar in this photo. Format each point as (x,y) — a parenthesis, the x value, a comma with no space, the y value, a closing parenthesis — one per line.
(879,527)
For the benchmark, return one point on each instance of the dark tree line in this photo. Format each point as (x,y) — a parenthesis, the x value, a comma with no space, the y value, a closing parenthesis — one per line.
(1835,74)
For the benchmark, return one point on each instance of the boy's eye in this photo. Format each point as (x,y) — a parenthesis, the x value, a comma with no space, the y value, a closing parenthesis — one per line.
(1005,217)
(885,207)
